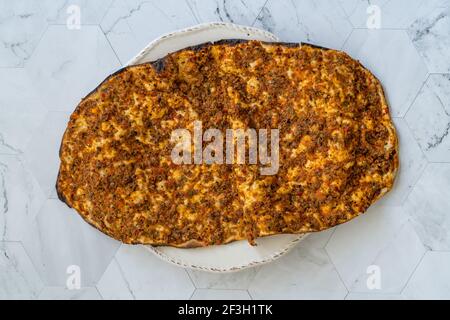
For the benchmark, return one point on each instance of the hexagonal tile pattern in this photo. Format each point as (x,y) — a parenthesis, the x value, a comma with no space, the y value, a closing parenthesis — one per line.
(62,293)
(19,103)
(42,152)
(431,280)
(397,14)
(303,273)
(60,238)
(20,198)
(429,118)
(131,24)
(213,294)
(428,206)
(233,280)
(402,75)
(142,275)
(412,164)
(235,11)
(430,33)
(68,64)
(375,239)
(293,21)
(91,11)
(46,68)
(18,278)
(22,24)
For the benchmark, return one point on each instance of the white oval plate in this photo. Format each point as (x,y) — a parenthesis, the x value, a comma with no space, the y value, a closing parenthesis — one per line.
(239,254)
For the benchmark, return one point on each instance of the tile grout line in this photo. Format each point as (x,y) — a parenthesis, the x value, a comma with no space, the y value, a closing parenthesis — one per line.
(106,11)
(124,278)
(347,16)
(190,278)
(406,196)
(98,291)
(413,187)
(113,258)
(337,272)
(346,39)
(110,45)
(414,271)
(96,288)
(391,241)
(259,13)
(423,154)
(415,98)
(192,294)
(192,11)
(332,233)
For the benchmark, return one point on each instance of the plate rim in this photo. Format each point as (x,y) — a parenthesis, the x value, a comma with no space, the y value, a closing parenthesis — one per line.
(197,27)
(270,258)
(154,249)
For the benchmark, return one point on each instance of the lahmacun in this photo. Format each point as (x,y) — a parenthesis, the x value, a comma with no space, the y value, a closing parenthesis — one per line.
(337,145)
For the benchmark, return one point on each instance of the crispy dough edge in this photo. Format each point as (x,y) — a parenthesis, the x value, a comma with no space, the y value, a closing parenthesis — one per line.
(158,66)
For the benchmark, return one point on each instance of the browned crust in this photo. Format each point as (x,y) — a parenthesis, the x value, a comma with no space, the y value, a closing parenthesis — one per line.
(159,66)
(396,158)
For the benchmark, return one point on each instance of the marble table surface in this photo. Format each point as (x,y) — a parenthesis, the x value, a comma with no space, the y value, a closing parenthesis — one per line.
(399,249)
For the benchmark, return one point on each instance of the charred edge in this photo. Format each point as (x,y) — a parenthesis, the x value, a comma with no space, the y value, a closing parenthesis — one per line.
(158,65)
(232,42)
(123,69)
(61,144)
(64,200)
(65,131)
(287,44)
(109,234)
(314,46)
(299,44)
(59,193)
(385,103)
(60,147)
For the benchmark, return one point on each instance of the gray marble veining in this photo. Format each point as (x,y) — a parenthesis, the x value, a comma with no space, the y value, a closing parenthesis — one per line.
(430,33)
(22,24)
(319,22)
